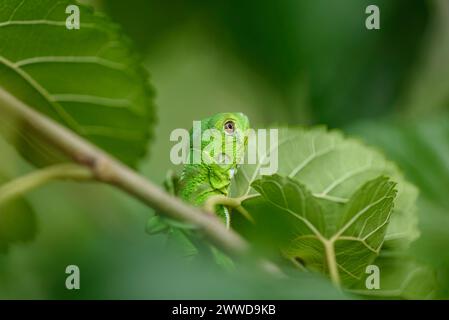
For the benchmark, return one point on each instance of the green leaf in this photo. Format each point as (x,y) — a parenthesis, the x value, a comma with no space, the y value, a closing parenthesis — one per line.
(332,168)
(347,240)
(18,222)
(88,79)
(335,178)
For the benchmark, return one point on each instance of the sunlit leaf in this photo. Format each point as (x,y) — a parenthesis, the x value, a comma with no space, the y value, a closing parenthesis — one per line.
(332,168)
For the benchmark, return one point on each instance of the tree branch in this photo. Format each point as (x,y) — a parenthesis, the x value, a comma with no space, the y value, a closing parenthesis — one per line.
(38,178)
(106,169)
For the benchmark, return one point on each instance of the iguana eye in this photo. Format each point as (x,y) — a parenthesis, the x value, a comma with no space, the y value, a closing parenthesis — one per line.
(229,127)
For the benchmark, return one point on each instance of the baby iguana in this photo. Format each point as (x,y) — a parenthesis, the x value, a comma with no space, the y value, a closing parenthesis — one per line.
(214,158)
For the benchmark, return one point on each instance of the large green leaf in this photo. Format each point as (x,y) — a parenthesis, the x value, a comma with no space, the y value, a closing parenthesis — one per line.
(334,178)
(348,239)
(333,167)
(88,79)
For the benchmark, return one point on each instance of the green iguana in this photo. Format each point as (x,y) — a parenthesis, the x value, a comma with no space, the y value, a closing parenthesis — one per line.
(220,152)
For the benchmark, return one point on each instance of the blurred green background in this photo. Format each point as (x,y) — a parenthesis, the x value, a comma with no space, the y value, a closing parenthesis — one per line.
(291,61)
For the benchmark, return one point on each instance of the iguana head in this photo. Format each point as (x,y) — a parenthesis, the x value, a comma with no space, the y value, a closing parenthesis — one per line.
(224,138)
(215,153)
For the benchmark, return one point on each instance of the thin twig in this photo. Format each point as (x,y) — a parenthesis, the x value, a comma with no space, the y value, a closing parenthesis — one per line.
(235,203)
(26,183)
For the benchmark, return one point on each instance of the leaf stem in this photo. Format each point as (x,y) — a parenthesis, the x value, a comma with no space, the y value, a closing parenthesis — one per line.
(26,183)
(329,248)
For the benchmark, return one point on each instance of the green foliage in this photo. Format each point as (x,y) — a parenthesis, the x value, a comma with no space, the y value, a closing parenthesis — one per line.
(88,79)
(332,168)
(349,239)
(332,205)
(421,148)
(295,61)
